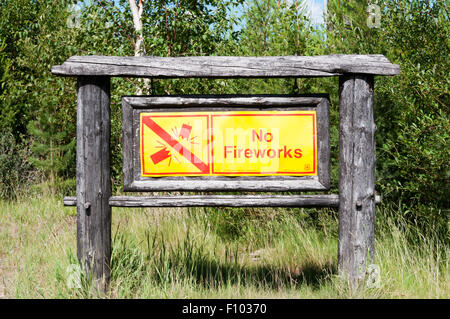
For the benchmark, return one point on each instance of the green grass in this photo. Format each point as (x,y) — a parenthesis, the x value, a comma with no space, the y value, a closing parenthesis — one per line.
(214,253)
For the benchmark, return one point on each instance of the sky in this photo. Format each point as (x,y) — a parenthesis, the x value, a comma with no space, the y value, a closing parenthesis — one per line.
(316,9)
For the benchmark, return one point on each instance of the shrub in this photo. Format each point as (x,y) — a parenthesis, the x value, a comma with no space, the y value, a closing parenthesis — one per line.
(14,166)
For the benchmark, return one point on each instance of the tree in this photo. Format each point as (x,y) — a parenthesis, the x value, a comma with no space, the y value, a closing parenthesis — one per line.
(412,111)
(37,37)
(274,27)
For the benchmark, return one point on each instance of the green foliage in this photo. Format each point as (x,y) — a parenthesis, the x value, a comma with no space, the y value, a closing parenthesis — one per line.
(49,153)
(5,66)
(38,106)
(347,28)
(416,124)
(273,28)
(35,40)
(14,166)
(217,250)
(411,109)
(172,28)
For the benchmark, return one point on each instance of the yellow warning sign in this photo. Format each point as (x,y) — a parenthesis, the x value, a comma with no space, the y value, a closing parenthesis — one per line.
(231,143)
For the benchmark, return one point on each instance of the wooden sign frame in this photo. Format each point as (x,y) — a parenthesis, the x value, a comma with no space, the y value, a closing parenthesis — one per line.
(132,106)
(356,198)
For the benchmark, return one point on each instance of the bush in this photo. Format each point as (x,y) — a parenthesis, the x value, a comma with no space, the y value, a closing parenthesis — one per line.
(14,166)
(411,110)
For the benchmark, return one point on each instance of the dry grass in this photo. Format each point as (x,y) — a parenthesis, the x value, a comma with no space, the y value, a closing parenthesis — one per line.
(176,253)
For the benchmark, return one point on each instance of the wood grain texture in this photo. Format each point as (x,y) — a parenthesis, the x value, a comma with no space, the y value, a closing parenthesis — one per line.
(223,183)
(227,201)
(356,176)
(323,142)
(127,147)
(93,178)
(221,101)
(331,200)
(226,66)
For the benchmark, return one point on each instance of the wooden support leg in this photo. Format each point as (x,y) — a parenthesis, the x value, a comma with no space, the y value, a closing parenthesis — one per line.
(93,179)
(356,176)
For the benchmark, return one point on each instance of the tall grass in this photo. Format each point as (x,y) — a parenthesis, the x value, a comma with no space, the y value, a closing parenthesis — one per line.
(214,253)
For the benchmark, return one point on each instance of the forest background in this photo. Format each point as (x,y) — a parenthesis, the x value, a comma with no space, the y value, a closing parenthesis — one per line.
(38,110)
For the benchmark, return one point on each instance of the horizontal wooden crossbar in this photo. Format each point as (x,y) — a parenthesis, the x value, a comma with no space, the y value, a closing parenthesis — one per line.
(222,201)
(226,66)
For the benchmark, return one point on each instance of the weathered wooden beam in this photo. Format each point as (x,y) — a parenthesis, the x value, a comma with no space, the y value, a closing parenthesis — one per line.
(356,176)
(226,66)
(323,141)
(220,101)
(227,184)
(93,178)
(227,201)
(222,201)
(70,201)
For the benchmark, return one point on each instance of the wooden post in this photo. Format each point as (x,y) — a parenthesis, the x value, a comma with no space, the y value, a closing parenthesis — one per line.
(93,178)
(357,160)
(356,176)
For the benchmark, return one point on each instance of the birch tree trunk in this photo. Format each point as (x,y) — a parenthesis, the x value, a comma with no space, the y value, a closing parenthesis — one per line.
(137,8)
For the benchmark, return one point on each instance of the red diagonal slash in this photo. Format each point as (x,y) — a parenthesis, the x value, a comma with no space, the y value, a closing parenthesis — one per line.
(175,144)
